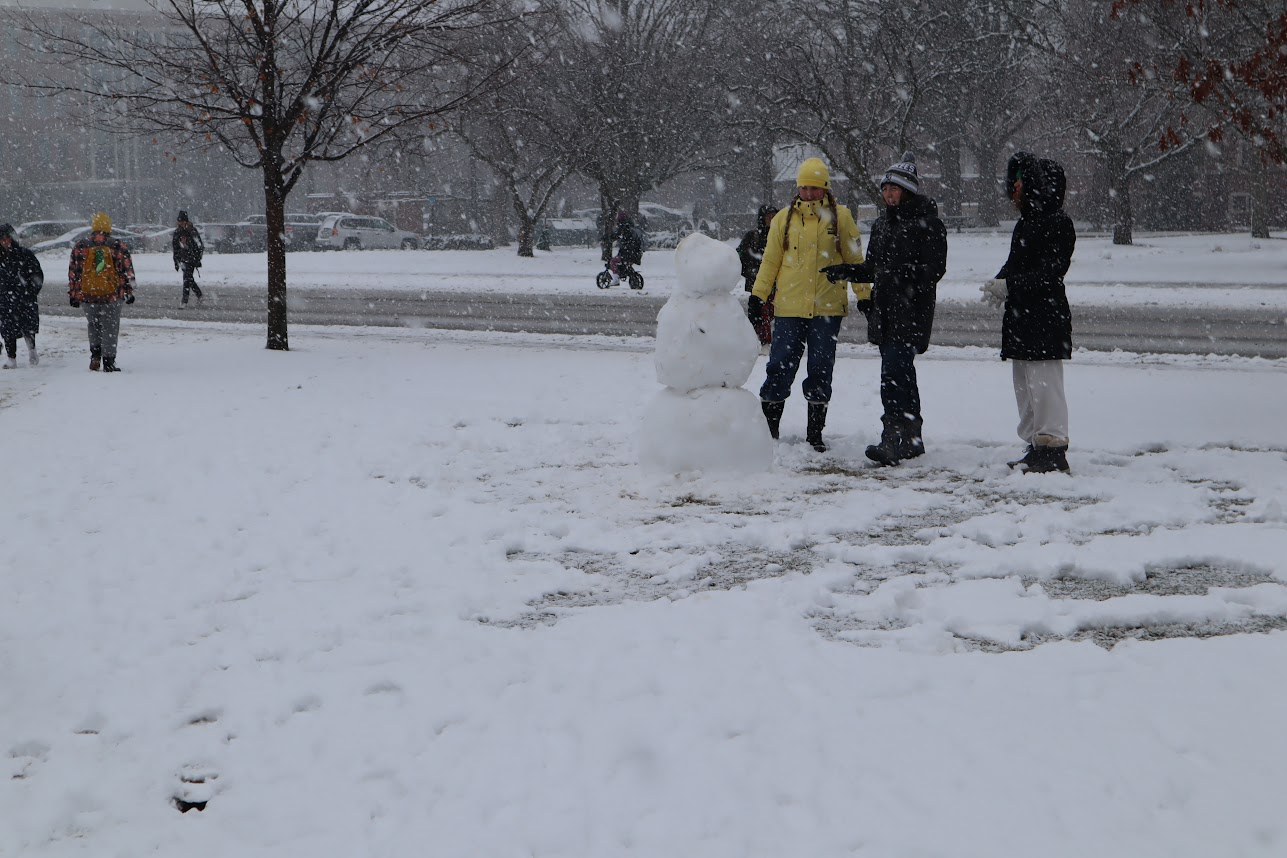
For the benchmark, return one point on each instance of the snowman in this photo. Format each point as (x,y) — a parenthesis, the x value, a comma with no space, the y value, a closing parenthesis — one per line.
(704,420)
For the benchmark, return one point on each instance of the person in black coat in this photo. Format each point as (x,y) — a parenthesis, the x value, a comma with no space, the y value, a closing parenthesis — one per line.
(1036,331)
(750,250)
(20,280)
(187,249)
(906,257)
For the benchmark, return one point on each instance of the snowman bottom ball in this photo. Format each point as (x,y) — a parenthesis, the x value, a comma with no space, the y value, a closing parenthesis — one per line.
(712,429)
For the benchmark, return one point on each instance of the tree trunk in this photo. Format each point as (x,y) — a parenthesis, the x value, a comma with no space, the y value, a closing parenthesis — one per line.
(526,228)
(1259,197)
(950,175)
(275,214)
(988,192)
(1119,191)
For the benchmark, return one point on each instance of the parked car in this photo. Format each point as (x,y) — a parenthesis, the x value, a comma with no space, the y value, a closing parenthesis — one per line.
(356,232)
(665,226)
(67,239)
(233,237)
(460,241)
(35,231)
(301,229)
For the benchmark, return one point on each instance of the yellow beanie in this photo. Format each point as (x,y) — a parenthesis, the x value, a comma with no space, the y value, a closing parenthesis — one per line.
(100,223)
(813,174)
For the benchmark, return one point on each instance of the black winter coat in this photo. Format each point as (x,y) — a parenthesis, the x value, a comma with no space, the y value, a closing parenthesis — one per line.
(20,280)
(750,250)
(1038,323)
(906,257)
(186,246)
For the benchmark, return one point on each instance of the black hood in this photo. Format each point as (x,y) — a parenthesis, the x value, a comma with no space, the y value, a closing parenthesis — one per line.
(1044,183)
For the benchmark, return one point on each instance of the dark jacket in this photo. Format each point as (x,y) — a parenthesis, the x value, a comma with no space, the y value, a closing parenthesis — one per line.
(906,257)
(750,250)
(20,280)
(186,246)
(629,242)
(1038,323)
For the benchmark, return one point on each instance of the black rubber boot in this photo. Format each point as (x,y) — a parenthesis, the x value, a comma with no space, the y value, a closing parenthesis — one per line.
(1026,460)
(1048,460)
(773,414)
(890,449)
(817,420)
(912,445)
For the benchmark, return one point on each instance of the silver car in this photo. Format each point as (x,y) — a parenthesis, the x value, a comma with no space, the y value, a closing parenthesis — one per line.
(356,232)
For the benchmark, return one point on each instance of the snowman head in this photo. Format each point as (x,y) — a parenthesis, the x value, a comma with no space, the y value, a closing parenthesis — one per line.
(706,266)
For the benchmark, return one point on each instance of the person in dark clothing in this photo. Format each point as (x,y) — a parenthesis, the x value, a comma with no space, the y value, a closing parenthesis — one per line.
(1036,331)
(20,280)
(750,250)
(187,248)
(629,240)
(906,257)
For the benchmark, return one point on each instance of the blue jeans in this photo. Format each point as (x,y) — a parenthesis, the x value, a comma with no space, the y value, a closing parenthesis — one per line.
(791,335)
(898,392)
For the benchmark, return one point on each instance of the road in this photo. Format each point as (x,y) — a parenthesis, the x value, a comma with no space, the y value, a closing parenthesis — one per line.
(1173,329)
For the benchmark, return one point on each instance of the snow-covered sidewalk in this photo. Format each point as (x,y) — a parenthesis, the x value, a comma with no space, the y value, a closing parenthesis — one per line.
(406,593)
(1205,270)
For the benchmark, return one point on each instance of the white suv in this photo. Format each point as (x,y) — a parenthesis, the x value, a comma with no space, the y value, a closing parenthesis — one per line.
(355,232)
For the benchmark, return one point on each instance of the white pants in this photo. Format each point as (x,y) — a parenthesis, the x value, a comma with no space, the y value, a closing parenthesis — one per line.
(1043,409)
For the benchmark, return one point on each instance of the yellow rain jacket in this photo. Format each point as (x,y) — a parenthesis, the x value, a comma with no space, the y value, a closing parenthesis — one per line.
(815,242)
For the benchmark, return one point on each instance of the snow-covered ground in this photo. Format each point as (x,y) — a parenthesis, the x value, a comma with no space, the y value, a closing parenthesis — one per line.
(407,593)
(1222,270)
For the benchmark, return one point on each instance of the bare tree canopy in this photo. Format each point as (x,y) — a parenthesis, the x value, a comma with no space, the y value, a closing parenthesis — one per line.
(276,84)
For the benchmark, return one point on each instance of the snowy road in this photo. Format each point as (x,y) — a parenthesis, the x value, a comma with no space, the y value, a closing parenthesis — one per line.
(1168,329)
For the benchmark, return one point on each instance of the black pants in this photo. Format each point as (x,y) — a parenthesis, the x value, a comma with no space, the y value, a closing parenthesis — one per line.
(898,391)
(190,283)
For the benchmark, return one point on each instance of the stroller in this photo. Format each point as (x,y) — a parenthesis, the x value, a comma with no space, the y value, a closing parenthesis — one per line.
(625,270)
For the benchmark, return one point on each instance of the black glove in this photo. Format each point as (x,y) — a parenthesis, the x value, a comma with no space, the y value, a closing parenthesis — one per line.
(755,309)
(176,266)
(864,306)
(73,300)
(843,271)
(129,297)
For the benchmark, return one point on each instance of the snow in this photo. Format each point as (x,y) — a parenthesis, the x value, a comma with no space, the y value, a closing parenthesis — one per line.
(409,592)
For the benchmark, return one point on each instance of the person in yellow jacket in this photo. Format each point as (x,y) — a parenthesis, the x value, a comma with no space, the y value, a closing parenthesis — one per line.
(805,237)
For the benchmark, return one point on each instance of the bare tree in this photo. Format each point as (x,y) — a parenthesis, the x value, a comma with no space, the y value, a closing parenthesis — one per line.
(1226,58)
(640,95)
(1128,124)
(516,131)
(278,84)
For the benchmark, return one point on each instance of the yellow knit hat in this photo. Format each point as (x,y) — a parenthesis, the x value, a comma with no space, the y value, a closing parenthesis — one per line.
(813,174)
(100,223)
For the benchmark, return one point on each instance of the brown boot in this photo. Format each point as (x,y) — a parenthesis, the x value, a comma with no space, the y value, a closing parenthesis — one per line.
(94,362)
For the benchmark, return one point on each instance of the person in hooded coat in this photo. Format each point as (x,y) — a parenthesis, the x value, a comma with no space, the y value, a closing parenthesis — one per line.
(20,280)
(906,257)
(750,250)
(187,249)
(1036,330)
(806,236)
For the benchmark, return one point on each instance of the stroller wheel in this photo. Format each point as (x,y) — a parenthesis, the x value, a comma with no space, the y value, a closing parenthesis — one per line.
(604,280)
(636,280)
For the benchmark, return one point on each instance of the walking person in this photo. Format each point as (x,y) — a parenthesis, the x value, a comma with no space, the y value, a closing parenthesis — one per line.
(906,257)
(20,280)
(1036,331)
(805,237)
(750,250)
(100,275)
(187,248)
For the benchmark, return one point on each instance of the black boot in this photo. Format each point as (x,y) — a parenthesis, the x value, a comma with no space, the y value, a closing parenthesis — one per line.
(817,420)
(1026,460)
(912,445)
(890,449)
(773,414)
(1048,460)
